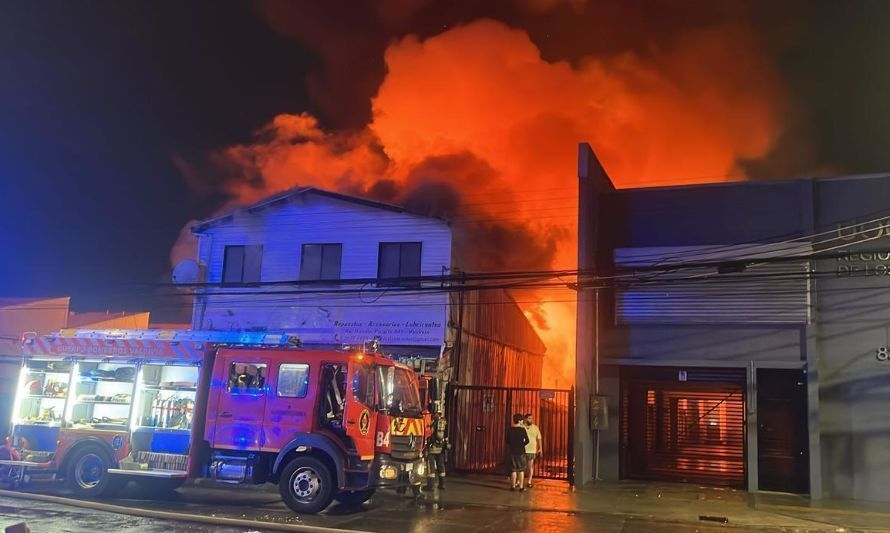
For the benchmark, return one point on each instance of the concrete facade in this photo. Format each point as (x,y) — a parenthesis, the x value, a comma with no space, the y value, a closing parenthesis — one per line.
(838,332)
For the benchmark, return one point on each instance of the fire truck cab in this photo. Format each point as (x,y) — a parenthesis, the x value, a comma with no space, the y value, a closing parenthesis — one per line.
(103,408)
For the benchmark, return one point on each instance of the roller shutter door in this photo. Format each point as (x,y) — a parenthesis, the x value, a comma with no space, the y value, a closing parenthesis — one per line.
(686,431)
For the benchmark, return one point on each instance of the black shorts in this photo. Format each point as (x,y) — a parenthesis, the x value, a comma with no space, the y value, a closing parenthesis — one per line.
(518,462)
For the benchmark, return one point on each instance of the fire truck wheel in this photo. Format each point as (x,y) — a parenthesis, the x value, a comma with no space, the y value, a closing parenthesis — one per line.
(306,485)
(88,472)
(354,497)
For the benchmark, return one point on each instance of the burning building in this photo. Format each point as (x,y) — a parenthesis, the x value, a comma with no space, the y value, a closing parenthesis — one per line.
(737,333)
(338,269)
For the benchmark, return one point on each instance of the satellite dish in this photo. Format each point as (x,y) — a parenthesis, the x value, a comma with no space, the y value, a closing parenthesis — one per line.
(187,272)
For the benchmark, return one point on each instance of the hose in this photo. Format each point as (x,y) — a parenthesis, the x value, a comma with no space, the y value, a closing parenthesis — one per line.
(176,517)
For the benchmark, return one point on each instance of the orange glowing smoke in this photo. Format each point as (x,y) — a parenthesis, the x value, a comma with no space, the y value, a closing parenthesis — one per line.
(478,107)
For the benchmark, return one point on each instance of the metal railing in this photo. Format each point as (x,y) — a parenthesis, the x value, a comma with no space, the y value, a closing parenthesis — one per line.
(479,417)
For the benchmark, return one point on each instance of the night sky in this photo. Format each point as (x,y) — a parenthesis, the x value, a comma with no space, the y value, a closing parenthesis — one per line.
(100,99)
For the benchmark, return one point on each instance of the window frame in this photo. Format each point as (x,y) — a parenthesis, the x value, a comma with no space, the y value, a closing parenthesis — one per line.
(399,280)
(250,391)
(370,399)
(305,388)
(323,246)
(246,251)
(227,265)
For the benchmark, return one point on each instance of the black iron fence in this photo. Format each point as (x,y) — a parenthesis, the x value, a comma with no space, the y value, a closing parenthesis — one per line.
(479,416)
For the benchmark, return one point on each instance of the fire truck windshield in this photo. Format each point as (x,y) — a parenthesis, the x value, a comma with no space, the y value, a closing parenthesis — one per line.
(397,392)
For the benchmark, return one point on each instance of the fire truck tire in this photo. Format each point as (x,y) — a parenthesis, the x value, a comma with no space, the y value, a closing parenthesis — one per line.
(88,472)
(354,497)
(306,485)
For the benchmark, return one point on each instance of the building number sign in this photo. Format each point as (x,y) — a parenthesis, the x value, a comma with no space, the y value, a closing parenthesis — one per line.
(882,354)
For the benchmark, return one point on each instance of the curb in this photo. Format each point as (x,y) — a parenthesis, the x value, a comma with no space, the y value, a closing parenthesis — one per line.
(733,521)
(175,517)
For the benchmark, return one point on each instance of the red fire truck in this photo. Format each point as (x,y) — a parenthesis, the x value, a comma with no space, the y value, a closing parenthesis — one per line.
(103,408)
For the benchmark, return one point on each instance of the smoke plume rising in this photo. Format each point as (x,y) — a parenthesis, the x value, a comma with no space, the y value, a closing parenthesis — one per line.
(473,124)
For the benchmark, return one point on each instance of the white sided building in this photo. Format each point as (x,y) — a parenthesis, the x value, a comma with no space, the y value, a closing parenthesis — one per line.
(282,264)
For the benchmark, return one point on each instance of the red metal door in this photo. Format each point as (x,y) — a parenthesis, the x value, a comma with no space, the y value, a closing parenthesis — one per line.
(242,401)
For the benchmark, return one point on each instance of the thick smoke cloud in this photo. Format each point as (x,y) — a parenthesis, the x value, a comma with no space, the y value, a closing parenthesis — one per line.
(476,125)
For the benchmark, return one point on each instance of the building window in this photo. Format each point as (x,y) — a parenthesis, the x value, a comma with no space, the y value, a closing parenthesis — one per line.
(242,264)
(246,378)
(320,262)
(398,261)
(293,380)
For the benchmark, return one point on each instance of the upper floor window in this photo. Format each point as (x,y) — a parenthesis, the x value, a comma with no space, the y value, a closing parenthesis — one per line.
(320,261)
(242,264)
(398,261)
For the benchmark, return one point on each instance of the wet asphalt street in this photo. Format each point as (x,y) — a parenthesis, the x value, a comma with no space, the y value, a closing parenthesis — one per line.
(385,512)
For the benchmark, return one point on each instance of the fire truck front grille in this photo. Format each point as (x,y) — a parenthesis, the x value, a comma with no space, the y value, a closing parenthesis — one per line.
(406,446)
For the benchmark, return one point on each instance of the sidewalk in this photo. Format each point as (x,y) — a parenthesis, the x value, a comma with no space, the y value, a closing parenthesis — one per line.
(687,503)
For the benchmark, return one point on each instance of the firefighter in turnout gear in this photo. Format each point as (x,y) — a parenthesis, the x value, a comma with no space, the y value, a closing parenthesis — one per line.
(436,450)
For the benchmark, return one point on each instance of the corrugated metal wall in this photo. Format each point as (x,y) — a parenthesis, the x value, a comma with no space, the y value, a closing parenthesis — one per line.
(759,292)
(498,346)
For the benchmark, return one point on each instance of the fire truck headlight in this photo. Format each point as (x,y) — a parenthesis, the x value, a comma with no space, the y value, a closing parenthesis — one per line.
(388,472)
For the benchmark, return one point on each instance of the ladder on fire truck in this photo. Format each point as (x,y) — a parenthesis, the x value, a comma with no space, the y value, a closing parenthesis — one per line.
(176,343)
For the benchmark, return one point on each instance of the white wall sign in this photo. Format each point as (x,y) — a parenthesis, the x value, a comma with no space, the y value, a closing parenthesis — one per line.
(411,325)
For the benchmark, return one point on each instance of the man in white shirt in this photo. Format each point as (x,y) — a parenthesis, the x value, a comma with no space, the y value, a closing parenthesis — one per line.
(534,447)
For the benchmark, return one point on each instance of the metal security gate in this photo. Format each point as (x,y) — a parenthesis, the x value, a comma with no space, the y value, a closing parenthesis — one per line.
(479,416)
(684,425)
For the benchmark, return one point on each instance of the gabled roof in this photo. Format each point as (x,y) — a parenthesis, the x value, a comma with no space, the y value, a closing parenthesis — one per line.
(282,197)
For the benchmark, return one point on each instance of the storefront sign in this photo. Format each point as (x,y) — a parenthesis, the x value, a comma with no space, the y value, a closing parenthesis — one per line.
(865,231)
(864,264)
(855,263)
(400,324)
